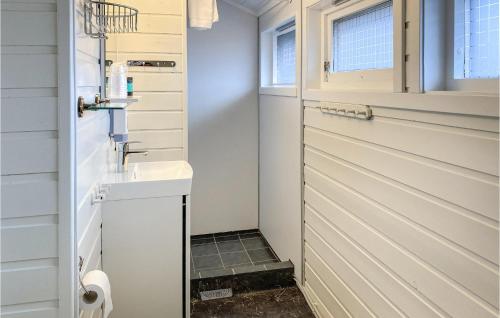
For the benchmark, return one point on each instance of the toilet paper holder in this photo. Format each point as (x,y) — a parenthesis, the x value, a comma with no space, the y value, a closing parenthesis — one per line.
(89,296)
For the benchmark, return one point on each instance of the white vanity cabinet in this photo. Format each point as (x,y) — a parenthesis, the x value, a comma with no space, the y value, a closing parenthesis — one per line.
(145,245)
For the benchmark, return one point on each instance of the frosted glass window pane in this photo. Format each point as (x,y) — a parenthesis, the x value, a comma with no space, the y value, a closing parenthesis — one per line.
(363,40)
(285,58)
(477,32)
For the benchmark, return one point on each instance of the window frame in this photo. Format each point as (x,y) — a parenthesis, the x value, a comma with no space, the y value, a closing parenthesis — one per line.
(480,85)
(275,54)
(370,79)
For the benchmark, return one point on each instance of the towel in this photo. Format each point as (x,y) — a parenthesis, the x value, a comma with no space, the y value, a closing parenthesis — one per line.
(202,13)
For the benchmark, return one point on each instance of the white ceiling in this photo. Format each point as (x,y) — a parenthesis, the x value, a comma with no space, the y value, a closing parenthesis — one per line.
(256,7)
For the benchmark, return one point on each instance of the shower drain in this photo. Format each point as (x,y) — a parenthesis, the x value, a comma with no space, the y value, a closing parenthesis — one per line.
(216,294)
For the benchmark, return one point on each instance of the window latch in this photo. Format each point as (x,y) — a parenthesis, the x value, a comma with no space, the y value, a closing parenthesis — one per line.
(326,69)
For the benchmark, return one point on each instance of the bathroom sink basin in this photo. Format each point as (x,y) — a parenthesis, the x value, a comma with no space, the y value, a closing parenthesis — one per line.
(148,180)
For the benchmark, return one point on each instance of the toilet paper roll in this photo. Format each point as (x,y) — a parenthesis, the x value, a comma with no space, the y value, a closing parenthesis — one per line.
(97,284)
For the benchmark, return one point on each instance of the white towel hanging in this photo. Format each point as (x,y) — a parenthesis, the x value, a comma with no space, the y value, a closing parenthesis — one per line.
(202,13)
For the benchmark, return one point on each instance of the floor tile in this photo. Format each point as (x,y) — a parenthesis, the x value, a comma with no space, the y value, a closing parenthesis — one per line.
(204,249)
(249,235)
(230,246)
(202,241)
(227,238)
(261,255)
(235,258)
(205,262)
(254,243)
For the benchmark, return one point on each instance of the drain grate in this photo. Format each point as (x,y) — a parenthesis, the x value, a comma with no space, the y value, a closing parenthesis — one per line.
(216,294)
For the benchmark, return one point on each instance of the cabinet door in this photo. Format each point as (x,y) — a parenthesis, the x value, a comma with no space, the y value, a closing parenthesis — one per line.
(142,255)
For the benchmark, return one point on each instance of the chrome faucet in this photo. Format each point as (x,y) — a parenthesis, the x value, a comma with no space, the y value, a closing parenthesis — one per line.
(123,150)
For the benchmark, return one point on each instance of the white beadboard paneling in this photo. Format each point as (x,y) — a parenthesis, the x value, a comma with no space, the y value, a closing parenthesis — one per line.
(405,297)
(29,114)
(157,82)
(150,43)
(87,46)
(167,7)
(158,118)
(369,294)
(87,71)
(31,241)
(156,139)
(471,122)
(318,307)
(158,101)
(160,24)
(431,141)
(332,304)
(31,28)
(29,70)
(342,291)
(50,312)
(455,224)
(91,169)
(39,193)
(92,131)
(29,152)
(27,282)
(154,120)
(424,278)
(158,155)
(93,148)
(450,259)
(408,204)
(446,182)
(29,232)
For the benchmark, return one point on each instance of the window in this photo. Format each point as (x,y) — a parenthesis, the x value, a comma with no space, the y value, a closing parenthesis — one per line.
(363,40)
(476,39)
(358,46)
(284,54)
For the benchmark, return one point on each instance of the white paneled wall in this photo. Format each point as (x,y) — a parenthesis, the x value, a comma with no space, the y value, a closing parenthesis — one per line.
(224,123)
(158,121)
(29,133)
(280,148)
(93,150)
(401,214)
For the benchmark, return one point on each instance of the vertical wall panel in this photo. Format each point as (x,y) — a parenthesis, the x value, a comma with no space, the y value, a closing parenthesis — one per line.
(223,123)
(29,224)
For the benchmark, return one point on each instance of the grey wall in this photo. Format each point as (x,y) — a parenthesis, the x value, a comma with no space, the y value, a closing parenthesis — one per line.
(223,122)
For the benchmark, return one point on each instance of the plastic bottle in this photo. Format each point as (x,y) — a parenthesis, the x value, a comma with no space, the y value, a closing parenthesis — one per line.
(118,80)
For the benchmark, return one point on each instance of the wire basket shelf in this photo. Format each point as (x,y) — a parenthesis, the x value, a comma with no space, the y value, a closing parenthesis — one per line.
(102,18)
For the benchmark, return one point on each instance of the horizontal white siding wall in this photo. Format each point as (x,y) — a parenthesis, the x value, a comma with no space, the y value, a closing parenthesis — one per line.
(93,150)
(29,186)
(401,214)
(158,121)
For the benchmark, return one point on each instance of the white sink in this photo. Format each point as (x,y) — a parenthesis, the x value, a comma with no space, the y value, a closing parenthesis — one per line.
(149,180)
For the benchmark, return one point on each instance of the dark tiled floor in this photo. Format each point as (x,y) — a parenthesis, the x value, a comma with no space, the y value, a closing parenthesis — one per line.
(229,253)
(276,303)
